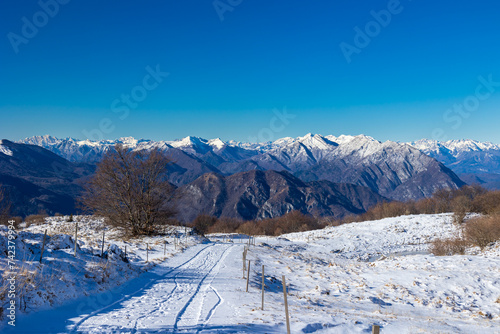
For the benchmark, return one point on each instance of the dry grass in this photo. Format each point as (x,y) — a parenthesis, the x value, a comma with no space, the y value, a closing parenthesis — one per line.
(446,247)
(100,271)
(27,281)
(35,219)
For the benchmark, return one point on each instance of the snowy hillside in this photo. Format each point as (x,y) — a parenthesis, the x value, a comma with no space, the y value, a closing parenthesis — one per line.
(340,280)
(62,277)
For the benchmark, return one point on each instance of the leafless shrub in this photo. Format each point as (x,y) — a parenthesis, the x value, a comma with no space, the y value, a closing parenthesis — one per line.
(35,219)
(426,206)
(294,221)
(487,203)
(248,228)
(452,246)
(203,222)
(330,221)
(461,205)
(225,225)
(130,190)
(483,230)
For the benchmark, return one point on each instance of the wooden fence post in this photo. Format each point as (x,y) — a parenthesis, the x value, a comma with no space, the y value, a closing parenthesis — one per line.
(102,247)
(76,236)
(286,306)
(147,252)
(244,261)
(43,245)
(125,251)
(263,284)
(248,273)
(375,329)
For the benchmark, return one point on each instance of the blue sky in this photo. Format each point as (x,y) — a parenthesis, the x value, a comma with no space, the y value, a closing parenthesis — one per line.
(232,66)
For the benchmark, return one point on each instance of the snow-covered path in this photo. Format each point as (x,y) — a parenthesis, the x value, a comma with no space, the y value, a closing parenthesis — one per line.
(181,295)
(182,299)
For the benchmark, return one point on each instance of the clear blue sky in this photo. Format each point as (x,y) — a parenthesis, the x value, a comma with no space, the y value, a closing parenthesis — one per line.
(227,76)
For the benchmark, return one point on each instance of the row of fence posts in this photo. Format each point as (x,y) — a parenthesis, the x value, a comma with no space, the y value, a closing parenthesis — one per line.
(176,242)
(251,241)
(246,267)
(263,284)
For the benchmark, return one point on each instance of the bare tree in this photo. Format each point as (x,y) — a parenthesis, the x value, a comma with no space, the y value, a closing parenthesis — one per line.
(130,189)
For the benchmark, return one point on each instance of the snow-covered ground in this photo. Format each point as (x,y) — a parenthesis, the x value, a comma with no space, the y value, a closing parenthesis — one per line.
(340,280)
(62,277)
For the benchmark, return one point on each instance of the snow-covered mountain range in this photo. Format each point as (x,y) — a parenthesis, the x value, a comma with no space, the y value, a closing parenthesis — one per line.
(394,170)
(473,161)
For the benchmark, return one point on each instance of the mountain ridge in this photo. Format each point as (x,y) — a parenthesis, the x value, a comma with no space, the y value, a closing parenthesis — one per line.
(388,168)
(266,194)
(473,161)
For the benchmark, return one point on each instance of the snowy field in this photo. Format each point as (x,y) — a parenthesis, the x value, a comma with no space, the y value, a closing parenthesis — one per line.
(340,280)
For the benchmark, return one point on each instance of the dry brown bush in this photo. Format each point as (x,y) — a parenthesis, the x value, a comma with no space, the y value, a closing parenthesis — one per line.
(445,247)
(426,206)
(35,219)
(483,230)
(443,198)
(295,221)
(461,201)
(225,225)
(461,205)
(487,203)
(203,222)
(267,226)
(330,221)
(248,228)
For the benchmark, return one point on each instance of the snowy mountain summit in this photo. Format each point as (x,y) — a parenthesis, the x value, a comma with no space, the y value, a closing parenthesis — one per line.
(394,170)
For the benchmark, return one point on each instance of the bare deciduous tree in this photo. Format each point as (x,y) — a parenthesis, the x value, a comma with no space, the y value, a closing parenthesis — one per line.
(130,189)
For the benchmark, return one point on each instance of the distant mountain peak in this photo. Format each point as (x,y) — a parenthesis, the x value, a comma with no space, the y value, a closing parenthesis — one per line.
(456,146)
(217,142)
(189,141)
(315,141)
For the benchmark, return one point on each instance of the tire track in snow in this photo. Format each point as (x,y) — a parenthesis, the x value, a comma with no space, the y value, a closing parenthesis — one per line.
(181,313)
(171,293)
(212,310)
(148,284)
